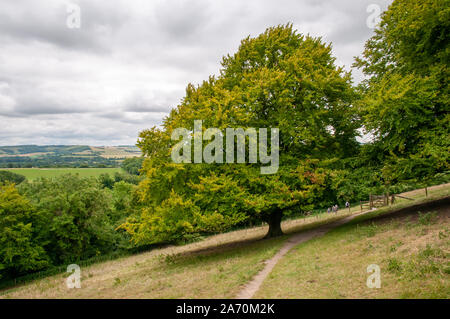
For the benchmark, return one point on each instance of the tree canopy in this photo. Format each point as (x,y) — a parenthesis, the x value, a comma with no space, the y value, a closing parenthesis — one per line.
(132,165)
(19,249)
(405,99)
(279,79)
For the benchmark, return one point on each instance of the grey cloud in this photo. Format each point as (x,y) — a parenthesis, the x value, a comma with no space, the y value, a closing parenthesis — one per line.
(130,61)
(29,21)
(183,20)
(142,104)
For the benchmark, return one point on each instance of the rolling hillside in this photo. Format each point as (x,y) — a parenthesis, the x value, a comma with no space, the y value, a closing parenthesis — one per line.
(27,156)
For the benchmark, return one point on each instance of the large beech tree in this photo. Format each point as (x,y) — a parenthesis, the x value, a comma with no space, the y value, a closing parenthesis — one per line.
(279,79)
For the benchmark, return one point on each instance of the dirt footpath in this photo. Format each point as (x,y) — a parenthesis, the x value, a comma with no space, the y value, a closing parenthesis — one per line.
(252,287)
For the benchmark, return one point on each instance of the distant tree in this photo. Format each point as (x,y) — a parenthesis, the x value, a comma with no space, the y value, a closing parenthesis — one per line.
(122,196)
(106,180)
(132,165)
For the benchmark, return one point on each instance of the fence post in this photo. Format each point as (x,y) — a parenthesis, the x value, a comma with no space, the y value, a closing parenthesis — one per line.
(360,204)
(426,191)
(370,201)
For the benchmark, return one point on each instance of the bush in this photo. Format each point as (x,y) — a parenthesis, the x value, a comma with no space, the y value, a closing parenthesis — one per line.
(20,249)
(76,217)
(7,176)
(132,165)
(108,181)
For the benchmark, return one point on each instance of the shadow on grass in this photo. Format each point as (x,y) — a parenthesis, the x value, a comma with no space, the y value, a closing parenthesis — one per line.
(226,250)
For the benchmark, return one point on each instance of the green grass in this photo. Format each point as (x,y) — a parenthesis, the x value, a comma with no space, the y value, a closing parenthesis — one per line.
(411,250)
(33,173)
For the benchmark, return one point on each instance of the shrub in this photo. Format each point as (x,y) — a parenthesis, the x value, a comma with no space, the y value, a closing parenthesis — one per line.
(7,176)
(20,250)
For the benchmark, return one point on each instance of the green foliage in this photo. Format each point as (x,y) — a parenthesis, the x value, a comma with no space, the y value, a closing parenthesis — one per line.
(132,165)
(356,184)
(123,200)
(108,181)
(76,217)
(7,176)
(20,249)
(278,79)
(65,219)
(406,97)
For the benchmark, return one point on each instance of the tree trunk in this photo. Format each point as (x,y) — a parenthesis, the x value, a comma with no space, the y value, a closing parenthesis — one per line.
(274,221)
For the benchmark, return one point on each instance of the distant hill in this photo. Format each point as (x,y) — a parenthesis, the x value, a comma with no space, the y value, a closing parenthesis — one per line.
(65,155)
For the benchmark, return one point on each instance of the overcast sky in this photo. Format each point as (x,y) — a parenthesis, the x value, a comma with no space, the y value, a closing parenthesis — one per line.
(129,61)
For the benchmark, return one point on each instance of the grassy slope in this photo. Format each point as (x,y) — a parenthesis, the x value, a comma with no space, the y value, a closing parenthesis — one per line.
(411,249)
(33,173)
(218,266)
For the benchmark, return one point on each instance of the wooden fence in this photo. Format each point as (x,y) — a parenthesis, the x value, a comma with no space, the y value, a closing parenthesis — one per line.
(376,201)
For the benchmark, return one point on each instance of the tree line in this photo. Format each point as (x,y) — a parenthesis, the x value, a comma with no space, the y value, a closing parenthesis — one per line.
(61,220)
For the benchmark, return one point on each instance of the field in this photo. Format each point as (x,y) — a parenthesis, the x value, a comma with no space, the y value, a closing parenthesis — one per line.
(33,173)
(411,249)
(69,150)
